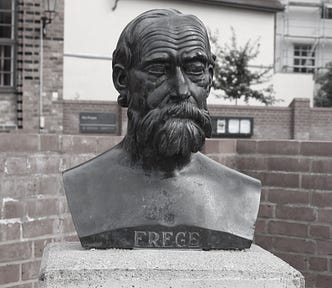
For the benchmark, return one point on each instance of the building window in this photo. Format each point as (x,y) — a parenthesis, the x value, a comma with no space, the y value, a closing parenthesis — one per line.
(304,58)
(327,12)
(7,43)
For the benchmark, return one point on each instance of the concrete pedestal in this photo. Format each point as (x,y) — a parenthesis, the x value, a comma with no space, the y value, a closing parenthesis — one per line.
(68,265)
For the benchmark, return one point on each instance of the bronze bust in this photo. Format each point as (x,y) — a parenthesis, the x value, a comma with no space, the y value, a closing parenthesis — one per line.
(155,189)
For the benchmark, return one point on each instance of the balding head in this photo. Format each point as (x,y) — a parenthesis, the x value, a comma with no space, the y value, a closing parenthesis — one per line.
(150,27)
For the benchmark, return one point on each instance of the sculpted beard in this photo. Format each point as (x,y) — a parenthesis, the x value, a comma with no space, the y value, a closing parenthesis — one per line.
(176,129)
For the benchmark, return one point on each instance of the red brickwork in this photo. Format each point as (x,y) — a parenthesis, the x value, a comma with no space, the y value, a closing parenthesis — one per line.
(298,121)
(29,13)
(301,119)
(33,207)
(296,205)
(53,72)
(319,124)
(269,122)
(294,220)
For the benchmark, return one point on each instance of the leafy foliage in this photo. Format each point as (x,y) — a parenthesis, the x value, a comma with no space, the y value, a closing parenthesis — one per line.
(234,75)
(324,94)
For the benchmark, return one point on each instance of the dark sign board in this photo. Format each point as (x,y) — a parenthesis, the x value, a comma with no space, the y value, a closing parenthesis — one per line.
(232,126)
(91,122)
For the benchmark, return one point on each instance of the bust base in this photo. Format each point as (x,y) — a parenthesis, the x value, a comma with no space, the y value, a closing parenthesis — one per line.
(68,265)
(157,236)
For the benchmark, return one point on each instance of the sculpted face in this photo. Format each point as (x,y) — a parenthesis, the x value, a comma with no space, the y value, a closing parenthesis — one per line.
(172,64)
(166,86)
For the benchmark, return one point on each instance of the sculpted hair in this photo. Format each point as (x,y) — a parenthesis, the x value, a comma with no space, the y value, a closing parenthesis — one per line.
(123,54)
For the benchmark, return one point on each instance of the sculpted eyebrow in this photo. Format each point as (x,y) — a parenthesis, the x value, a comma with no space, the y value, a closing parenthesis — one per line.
(155,60)
(196,57)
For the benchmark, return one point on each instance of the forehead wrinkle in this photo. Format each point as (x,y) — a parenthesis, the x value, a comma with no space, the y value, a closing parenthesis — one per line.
(177,42)
(199,49)
(177,22)
(170,29)
(171,32)
(187,40)
(168,37)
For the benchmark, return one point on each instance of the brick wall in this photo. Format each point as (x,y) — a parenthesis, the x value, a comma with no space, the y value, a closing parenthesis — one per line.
(319,126)
(269,122)
(29,13)
(33,208)
(296,206)
(53,72)
(298,121)
(294,219)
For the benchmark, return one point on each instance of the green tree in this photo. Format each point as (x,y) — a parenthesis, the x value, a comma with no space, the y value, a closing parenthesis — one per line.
(324,94)
(233,74)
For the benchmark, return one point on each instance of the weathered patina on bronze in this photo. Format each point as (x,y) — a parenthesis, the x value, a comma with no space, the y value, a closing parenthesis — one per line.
(155,189)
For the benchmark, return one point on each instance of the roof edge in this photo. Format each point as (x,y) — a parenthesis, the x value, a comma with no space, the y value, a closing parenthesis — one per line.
(251,6)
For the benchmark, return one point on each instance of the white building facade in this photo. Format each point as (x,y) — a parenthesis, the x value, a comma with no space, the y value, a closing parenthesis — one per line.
(303,43)
(93,27)
(304,36)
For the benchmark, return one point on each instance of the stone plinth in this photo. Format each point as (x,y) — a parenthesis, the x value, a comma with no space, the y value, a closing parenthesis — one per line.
(68,265)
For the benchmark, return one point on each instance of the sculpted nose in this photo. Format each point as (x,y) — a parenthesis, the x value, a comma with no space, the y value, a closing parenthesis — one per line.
(180,89)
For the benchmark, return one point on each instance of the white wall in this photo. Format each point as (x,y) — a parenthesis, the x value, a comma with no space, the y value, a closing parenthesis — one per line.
(293,85)
(287,86)
(92,29)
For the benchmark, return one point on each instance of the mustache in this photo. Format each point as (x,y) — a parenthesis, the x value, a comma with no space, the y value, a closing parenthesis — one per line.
(187,110)
(184,110)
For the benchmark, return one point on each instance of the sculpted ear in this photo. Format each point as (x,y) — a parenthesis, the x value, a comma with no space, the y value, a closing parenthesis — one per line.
(211,70)
(120,80)
(210,78)
(211,75)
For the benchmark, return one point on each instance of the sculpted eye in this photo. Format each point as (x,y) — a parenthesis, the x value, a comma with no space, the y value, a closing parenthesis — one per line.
(157,69)
(195,68)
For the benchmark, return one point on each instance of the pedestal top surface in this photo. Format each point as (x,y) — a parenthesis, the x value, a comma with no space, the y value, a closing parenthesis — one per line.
(69,265)
(71,256)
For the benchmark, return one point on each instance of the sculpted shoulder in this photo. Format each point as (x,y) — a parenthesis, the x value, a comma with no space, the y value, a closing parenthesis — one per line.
(204,165)
(107,163)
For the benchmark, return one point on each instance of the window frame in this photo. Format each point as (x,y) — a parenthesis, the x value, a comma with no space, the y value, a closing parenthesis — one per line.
(326,13)
(12,42)
(301,55)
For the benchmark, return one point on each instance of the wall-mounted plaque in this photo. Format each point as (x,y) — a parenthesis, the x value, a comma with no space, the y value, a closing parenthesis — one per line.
(92,122)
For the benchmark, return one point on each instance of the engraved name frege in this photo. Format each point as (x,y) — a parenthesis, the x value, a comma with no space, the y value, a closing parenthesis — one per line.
(167,239)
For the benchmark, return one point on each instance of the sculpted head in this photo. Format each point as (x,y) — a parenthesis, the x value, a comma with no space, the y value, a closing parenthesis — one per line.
(163,70)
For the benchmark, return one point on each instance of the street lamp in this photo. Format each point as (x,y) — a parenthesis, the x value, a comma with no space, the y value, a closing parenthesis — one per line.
(49,14)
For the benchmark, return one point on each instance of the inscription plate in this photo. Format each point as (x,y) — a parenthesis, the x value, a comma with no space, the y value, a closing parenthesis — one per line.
(97,122)
(166,239)
(156,236)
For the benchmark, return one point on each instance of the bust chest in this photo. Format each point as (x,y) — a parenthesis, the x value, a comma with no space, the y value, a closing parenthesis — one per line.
(142,199)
